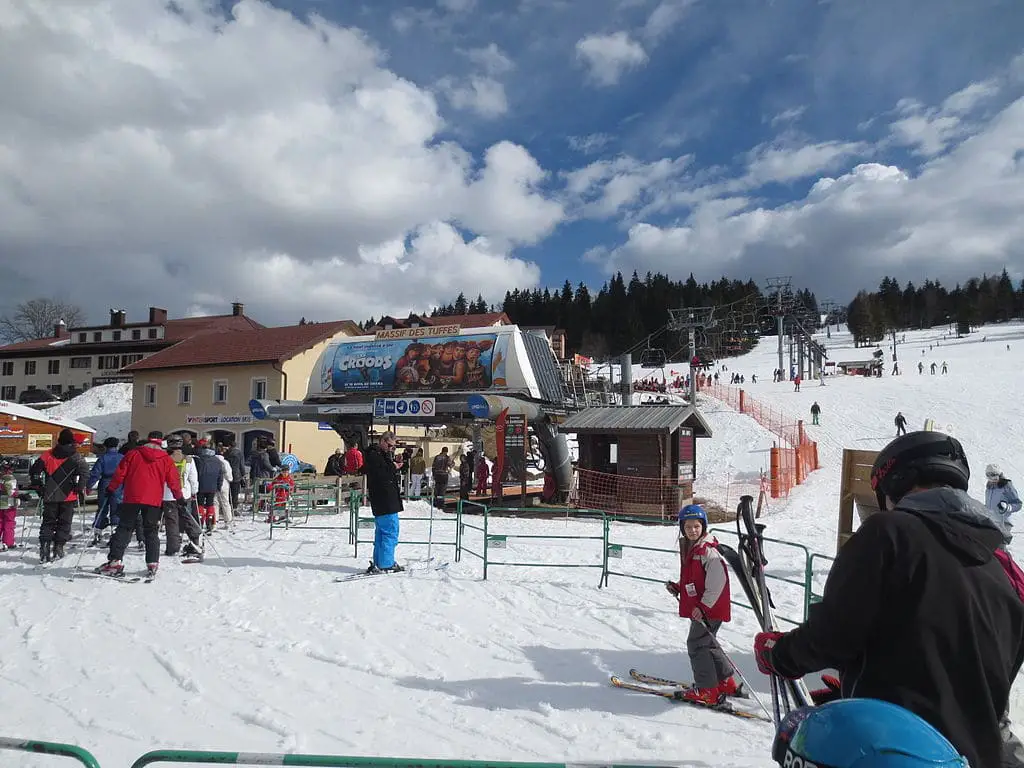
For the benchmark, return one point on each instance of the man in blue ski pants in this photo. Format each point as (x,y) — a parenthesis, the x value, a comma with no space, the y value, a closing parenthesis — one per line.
(383,484)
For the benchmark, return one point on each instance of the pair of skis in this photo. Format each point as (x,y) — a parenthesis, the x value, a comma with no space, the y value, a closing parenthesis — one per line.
(428,565)
(748,563)
(123,578)
(674,690)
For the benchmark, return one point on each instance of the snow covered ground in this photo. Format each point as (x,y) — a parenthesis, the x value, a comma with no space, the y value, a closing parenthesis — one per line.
(262,651)
(106,408)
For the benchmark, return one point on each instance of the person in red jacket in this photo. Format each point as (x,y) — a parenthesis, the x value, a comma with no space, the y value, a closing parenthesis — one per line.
(66,477)
(143,472)
(704,598)
(281,488)
(352,463)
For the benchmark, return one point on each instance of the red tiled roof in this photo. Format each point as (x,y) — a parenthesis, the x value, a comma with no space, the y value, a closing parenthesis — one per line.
(228,347)
(47,343)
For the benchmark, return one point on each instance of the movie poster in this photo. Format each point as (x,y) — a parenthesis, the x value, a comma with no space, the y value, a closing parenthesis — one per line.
(430,364)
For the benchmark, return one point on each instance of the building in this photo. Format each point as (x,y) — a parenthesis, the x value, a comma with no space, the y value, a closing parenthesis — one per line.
(481,320)
(74,359)
(25,430)
(203,386)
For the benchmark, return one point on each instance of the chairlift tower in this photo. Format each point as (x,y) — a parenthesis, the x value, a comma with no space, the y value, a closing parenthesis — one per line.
(782,287)
(689,320)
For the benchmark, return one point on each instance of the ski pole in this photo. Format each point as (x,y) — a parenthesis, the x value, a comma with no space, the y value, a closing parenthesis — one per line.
(430,533)
(735,668)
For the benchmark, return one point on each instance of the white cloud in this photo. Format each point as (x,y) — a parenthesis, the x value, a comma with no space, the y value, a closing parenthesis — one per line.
(783,164)
(491,59)
(156,156)
(606,188)
(589,144)
(788,115)
(929,131)
(607,57)
(483,95)
(664,18)
(457,6)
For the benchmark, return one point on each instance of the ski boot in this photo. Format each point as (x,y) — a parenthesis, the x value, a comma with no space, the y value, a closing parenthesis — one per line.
(44,552)
(193,549)
(111,568)
(731,688)
(709,697)
(396,568)
(151,569)
(58,551)
(95,538)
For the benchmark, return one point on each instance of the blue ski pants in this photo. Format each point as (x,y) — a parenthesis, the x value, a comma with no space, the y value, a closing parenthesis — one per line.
(385,539)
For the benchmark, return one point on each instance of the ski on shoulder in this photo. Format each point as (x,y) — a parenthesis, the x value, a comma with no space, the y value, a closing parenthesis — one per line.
(677,696)
(642,677)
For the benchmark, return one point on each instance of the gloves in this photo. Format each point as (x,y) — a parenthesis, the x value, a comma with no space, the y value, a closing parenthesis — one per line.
(764,642)
(698,614)
(1004,507)
(829,693)
(672,589)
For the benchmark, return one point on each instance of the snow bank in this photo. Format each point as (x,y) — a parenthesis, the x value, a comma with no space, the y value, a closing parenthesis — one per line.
(107,409)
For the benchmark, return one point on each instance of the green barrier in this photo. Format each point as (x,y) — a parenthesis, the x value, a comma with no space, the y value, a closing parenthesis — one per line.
(339,761)
(50,748)
(367,523)
(614,550)
(465,507)
(810,596)
(302,505)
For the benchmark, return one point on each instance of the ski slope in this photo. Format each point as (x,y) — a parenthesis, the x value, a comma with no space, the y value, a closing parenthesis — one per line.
(106,408)
(258,649)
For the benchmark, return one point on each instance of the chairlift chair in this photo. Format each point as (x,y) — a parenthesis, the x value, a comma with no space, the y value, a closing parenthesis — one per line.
(653,358)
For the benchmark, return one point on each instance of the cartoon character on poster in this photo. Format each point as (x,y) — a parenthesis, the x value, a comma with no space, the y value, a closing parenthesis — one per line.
(327,371)
(439,363)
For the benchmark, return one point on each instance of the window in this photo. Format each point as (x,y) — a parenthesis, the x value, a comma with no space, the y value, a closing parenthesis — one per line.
(152,333)
(117,335)
(185,393)
(30,367)
(8,393)
(136,334)
(53,367)
(97,336)
(150,395)
(81,362)
(55,388)
(8,368)
(129,359)
(220,391)
(109,362)
(259,389)
(83,337)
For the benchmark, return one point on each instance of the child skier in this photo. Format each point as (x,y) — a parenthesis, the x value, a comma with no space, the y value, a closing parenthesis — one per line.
(703,595)
(8,505)
(281,488)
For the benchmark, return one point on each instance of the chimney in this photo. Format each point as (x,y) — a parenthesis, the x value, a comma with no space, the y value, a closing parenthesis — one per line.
(238,309)
(157,316)
(60,330)
(117,318)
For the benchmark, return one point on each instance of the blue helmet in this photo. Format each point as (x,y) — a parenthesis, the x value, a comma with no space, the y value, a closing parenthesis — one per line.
(861,733)
(693,512)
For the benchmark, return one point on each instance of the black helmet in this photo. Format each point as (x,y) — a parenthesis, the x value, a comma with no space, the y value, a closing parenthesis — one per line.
(174,441)
(918,458)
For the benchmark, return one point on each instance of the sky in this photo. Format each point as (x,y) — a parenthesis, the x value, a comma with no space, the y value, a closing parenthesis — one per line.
(335,159)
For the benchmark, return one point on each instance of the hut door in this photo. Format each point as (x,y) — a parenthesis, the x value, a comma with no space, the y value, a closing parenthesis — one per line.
(606,454)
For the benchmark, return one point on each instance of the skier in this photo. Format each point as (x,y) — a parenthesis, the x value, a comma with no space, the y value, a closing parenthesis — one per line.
(861,733)
(99,478)
(281,489)
(920,604)
(144,472)
(8,505)
(703,595)
(209,476)
(384,486)
(353,461)
(441,468)
(482,474)
(417,469)
(901,423)
(815,412)
(177,507)
(233,456)
(66,475)
(225,512)
(333,466)
(1000,495)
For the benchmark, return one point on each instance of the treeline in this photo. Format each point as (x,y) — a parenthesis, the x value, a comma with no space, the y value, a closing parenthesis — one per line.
(988,299)
(625,313)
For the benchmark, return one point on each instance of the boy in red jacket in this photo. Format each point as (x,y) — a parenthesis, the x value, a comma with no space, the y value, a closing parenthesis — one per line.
(282,487)
(703,595)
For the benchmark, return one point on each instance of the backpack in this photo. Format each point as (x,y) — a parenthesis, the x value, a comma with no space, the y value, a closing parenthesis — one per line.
(1013,571)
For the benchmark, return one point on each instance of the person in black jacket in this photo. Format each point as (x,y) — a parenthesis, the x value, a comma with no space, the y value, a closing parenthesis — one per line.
(211,474)
(919,609)
(233,456)
(66,477)
(131,443)
(383,483)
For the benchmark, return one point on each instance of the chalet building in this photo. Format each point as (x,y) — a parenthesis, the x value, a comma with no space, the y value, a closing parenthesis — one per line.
(74,359)
(203,386)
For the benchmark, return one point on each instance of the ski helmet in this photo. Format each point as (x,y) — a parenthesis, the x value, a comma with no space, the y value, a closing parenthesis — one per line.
(693,512)
(916,458)
(174,441)
(861,733)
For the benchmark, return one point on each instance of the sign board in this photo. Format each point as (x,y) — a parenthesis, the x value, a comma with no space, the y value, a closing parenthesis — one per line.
(257,410)
(474,362)
(497,542)
(40,442)
(514,465)
(366,522)
(12,433)
(615,550)
(124,378)
(386,407)
(418,333)
(218,418)
(324,426)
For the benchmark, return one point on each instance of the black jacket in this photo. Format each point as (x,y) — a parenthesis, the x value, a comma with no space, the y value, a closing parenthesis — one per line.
(918,612)
(66,478)
(234,458)
(382,482)
(209,471)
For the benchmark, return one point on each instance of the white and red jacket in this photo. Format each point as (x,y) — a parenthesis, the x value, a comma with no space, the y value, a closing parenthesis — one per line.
(704,580)
(144,472)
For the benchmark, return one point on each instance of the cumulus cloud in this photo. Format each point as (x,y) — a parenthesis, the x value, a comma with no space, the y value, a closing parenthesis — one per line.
(664,18)
(608,57)
(483,95)
(151,154)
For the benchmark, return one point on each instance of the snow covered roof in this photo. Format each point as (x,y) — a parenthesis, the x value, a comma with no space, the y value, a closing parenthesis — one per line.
(24,412)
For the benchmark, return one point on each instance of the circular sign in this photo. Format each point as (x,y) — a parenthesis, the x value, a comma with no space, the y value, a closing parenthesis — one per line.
(427,406)
(401,406)
(414,407)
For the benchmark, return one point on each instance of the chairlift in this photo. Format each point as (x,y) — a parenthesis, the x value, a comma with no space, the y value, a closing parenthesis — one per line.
(653,358)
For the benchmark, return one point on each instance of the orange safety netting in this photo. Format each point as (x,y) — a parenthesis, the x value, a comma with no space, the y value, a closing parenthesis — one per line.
(630,496)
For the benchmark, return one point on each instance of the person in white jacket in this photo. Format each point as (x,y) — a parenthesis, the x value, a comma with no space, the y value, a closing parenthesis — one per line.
(178,515)
(224,512)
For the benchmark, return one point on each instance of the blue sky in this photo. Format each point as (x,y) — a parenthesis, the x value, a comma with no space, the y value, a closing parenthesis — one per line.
(347,159)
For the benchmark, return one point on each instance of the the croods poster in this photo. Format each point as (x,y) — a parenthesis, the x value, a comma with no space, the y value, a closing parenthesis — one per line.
(435,363)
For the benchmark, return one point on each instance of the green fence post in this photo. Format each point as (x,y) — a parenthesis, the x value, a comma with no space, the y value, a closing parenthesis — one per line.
(486,518)
(50,748)
(458,531)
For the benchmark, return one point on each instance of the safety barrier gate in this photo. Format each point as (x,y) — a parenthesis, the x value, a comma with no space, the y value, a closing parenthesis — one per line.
(339,761)
(55,748)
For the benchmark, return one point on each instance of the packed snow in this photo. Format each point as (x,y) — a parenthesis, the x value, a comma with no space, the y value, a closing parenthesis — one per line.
(106,408)
(258,649)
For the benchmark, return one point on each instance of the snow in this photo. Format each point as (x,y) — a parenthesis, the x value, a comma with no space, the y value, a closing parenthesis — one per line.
(49,416)
(106,409)
(258,649)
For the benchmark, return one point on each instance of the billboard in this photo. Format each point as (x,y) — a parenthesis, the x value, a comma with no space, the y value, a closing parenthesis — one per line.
(438,363)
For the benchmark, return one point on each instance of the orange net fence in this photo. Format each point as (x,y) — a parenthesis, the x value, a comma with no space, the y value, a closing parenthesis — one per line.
(648,497)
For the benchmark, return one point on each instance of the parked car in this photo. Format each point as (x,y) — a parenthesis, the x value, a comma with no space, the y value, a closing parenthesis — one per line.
(23,475)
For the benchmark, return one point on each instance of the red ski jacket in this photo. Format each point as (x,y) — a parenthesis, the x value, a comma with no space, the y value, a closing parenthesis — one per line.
(144,472)
(704,581)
